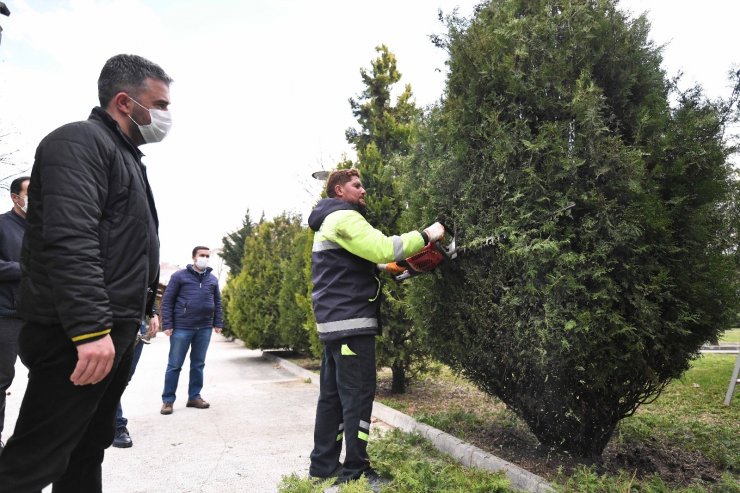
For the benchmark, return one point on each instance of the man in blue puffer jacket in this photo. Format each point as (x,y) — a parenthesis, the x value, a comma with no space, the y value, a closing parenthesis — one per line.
(191,309)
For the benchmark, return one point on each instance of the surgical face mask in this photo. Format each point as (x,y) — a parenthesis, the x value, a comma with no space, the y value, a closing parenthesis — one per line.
(201,262)
(24,207)
(158,128)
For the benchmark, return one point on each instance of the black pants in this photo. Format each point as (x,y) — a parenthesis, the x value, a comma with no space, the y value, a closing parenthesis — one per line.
(9,328)
(347,390)
(63,429)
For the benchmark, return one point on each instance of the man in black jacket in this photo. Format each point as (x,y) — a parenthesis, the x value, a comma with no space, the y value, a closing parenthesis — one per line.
(90,254)
(12,229)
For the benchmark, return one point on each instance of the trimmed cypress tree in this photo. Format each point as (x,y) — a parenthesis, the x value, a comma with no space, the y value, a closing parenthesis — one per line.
(254,295)
(233,245)
(383,140)
(573,320)
(294,306)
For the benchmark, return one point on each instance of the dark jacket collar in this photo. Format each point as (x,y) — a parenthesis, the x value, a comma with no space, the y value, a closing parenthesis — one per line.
(325,207)
(192,270)
(101,115)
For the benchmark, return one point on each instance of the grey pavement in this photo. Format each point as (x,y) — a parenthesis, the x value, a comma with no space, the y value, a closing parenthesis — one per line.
(258,429)
(259,426)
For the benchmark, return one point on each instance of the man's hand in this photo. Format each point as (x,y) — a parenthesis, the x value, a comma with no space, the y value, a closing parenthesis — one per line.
(167,332)
(94,361)
(217,330)
(153,326)
(435,232)
(392,268)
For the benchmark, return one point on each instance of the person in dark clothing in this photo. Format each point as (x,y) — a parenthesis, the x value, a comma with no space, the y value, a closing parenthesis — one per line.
(12,229)
(90,254)
(122,437)
(346,304)
(191,310)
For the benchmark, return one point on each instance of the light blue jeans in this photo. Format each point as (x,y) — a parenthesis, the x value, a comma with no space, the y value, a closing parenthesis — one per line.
(197,340)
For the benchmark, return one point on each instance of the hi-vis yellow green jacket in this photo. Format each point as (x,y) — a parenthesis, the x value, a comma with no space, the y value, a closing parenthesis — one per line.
(346,289)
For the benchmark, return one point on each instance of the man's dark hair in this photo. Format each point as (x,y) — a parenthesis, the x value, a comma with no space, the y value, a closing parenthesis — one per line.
(127,73)
(15,185)
(195,250)
(339,177)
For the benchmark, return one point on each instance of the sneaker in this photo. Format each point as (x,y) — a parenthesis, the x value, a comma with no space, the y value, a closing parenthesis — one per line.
(122,438)
(166,408)
(198,403)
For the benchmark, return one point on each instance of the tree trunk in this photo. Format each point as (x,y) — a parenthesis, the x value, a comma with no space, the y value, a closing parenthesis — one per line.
(398,385)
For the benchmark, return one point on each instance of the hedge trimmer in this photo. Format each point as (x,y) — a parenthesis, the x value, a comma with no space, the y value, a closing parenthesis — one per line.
(436,252)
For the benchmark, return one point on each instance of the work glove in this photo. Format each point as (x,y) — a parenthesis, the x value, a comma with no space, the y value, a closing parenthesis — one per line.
(392,268)
(435,232)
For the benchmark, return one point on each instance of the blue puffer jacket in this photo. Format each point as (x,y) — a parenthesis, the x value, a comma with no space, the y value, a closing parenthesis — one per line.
(192,300)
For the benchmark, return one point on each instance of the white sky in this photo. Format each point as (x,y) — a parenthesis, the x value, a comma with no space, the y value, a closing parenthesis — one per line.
(261,86)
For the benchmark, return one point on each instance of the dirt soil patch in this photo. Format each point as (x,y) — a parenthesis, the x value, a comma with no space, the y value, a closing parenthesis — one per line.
(507,437)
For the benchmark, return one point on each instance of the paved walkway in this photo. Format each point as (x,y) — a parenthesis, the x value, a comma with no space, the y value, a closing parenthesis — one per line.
(258,429)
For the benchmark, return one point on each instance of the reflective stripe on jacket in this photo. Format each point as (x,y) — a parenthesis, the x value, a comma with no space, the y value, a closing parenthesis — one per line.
(346,289)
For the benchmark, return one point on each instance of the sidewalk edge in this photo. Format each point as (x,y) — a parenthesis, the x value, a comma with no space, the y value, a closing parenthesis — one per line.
(465,453)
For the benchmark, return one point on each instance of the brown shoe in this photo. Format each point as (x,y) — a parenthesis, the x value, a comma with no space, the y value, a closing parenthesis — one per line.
(199,403)
(166,408)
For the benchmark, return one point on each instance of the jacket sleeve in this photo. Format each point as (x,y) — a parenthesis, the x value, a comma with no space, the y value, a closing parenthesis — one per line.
(218,320)
(168,302)
(352,232)
(10,270)
(73,172)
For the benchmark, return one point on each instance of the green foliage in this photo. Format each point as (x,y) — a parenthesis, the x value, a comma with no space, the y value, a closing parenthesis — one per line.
(294,304)
(225,301)
(414,466)
(456,422)
(304,301)
(576,319)
(254,309)
(233,245)
(587,480)
(388,128)
(384,138)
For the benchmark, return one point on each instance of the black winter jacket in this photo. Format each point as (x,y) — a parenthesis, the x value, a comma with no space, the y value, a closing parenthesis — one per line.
(12,229)
(91,252)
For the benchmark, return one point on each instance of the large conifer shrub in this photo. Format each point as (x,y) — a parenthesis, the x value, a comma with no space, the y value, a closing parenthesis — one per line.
(573,320)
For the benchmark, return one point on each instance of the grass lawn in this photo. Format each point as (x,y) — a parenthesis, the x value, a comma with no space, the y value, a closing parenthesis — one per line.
(415,466)
(686,441)
(730,336)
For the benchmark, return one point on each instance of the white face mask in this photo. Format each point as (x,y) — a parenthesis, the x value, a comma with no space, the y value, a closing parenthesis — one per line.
(201,262)
(158,128)
(24,207)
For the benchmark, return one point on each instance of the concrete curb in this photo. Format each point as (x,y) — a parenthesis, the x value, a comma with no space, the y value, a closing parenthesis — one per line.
(465,453)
